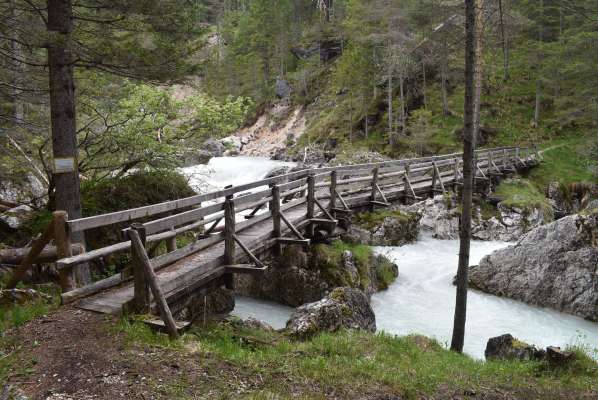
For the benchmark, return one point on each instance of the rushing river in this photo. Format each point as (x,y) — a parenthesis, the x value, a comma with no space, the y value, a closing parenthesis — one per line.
(422,299)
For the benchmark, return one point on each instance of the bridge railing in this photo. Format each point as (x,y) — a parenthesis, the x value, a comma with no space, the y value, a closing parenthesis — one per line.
(324,191)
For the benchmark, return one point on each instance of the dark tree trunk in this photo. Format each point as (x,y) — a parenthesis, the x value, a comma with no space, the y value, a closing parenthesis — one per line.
(469,120)
(540,59)
(443,77)
(505,47)
(62,111)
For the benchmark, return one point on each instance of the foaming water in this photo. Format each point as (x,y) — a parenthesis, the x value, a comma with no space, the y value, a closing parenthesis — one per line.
(422,300)
(223,171)
(273,313)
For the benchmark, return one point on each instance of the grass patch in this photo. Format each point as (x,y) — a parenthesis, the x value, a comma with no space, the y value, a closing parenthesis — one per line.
(350,362)
(329,260)
(523,194)
(566,161)
(15,315)
(370,220)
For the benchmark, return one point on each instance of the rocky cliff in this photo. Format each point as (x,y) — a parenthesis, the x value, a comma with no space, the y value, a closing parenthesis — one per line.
(554,265)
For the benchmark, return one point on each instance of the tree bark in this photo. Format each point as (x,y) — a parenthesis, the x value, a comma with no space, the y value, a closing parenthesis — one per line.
(62,112)
(472,28)
(540,57)
(505,48)
(443,77)
(402,89)
(389,100)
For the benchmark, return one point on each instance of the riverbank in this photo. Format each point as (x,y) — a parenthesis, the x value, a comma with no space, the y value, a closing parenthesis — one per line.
(72,354)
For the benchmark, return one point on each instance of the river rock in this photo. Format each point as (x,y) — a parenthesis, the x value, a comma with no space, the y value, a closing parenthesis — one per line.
(232,145)
(506,347)
(554,265)
(23,189)
(384,228)
(440,215)
(17,216)
(558,358)
(344,307)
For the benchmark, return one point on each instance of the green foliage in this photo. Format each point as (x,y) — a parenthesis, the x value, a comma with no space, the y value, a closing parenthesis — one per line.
(146,127)
(14,315)
(130,191)
(135,190)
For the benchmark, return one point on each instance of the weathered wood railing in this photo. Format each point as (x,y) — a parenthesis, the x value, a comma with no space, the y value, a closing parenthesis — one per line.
(325,193)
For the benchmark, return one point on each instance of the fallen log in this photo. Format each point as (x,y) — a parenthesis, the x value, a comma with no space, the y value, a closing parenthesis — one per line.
(9,204)
(48,254)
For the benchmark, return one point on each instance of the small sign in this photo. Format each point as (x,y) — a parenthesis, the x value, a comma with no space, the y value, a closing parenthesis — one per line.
(64,165)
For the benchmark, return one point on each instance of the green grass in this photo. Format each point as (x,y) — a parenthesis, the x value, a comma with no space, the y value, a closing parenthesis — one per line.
(370,220)
(567,160)
(18,314)
(329,259)
(521,193)
(357,362)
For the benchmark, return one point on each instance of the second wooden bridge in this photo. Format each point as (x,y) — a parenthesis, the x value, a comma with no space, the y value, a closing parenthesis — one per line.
(237,225)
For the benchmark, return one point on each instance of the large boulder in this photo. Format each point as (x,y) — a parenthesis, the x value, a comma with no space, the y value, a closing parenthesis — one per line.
(344,307)
(554,265)
(506,347)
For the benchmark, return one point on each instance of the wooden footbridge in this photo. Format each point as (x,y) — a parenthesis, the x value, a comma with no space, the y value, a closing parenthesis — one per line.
(236,225)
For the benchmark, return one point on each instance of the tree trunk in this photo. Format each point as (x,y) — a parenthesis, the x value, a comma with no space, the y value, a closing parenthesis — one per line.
(538,78)
(62,111)
(389,101)
(424,83)
(402,89)
(443,77)
(17,79)
(469,118)
(505,48)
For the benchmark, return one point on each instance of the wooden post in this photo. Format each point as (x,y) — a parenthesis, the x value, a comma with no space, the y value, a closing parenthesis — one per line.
(141,296)
(171,244)
(475,171)
(455,174)
(275,210)
(433,178)
(405,181)
(311,195)
(375,173)
(517,153)
(63,249)
(229,238)
(138,246)
(490,161)
(333,180)
(504,158)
